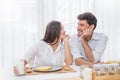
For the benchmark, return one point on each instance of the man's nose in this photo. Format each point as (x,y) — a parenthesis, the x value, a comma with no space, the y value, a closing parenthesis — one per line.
(79,27)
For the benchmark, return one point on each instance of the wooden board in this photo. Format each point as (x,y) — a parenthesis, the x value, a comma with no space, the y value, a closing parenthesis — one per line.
(108,77)
(105,77)
(63,70)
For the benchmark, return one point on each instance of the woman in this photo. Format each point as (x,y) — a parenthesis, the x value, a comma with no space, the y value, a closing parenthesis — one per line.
(53,49)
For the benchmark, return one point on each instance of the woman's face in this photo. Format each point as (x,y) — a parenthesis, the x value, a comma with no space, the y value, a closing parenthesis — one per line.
(62,33)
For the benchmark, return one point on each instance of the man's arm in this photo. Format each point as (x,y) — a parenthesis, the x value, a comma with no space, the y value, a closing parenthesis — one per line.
(88,50)
(80,61)
(85,38)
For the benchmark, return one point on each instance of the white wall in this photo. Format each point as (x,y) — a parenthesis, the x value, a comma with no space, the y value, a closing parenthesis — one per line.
(108,15)
(18,29)
(23,22)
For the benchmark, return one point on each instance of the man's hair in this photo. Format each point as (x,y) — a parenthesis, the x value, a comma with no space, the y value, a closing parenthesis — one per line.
(89,17)
(52,32)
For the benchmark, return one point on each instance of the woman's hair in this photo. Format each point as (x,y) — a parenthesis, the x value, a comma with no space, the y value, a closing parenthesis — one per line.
(52,32)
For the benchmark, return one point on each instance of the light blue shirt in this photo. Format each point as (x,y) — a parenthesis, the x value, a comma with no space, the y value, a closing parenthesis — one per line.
(97,44)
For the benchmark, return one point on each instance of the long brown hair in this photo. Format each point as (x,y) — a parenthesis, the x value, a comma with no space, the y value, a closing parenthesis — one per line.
(52,32)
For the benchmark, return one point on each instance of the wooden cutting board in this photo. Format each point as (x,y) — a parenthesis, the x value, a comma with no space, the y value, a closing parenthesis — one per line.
(65,69)
(108,77)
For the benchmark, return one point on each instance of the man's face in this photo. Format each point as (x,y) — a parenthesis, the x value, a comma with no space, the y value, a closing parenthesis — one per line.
(82,26)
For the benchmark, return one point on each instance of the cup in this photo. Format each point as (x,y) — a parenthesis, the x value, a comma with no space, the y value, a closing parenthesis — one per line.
(20,67)
(87,74)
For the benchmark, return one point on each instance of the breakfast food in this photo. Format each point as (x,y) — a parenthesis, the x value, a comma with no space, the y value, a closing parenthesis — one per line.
(66,68)
(43,68)
(112,61)
(28,68)
(107,71)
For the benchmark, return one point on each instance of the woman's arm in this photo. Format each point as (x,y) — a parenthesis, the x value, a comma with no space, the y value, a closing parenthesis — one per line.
(68,55)
(28,58)
(31,53)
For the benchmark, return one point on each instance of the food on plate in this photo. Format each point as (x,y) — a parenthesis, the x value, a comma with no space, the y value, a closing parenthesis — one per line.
(66,68)
(112,61)
(43,68)
(28,68)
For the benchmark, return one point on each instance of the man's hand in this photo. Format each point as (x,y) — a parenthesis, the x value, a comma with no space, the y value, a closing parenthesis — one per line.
(80,62)
(87,34)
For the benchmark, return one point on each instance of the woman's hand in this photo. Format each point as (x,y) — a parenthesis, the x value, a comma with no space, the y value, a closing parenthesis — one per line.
(15,70)
(66,38)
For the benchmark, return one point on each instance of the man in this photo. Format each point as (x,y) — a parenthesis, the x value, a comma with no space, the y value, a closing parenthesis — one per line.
(87,46)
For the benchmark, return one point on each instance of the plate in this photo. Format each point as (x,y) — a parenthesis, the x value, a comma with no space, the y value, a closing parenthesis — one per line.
(54,68)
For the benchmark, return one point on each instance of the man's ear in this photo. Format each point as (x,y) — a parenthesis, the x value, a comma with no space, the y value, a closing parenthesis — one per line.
(92,27)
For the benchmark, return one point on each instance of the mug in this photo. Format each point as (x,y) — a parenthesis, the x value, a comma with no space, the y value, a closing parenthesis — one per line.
(87,74)
(20,67)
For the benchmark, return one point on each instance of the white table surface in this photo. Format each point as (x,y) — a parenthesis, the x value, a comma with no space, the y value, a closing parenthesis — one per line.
(9,75)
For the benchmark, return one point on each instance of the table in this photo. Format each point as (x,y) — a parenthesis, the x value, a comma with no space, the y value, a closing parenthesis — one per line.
(9,75)
(70,78)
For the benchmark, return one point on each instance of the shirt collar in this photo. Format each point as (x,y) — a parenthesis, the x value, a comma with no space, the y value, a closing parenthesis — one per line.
(95,36)
(59,45)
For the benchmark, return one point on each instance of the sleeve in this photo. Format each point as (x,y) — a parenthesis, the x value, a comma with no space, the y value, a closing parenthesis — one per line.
(74,46)
(30,54)
(99,48)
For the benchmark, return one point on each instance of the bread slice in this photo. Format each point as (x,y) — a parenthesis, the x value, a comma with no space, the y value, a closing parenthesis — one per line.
(43,68)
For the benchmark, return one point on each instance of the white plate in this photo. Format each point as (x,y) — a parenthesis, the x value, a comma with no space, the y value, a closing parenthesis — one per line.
(54,68)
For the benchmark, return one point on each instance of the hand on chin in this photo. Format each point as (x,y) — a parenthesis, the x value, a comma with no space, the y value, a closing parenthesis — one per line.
(65,37)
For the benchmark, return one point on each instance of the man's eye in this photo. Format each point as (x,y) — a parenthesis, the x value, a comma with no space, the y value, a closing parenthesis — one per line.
(82,25)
